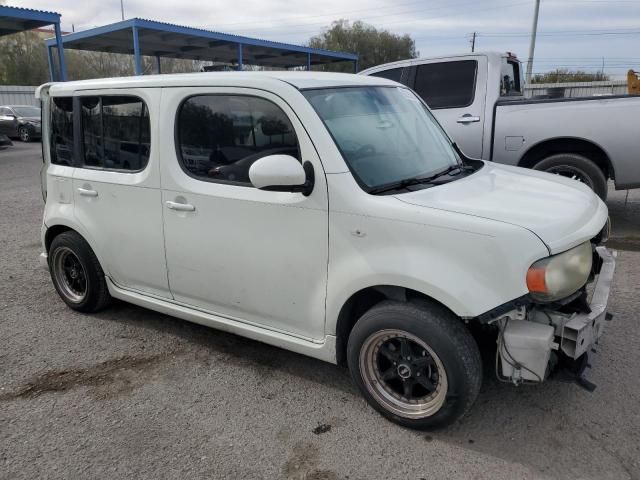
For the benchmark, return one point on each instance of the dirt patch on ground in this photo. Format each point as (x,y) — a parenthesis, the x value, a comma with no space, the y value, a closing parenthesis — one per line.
(302,465)
(107,379)
(631,243)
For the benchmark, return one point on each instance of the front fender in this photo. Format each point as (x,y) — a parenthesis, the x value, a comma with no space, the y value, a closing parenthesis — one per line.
(468,272)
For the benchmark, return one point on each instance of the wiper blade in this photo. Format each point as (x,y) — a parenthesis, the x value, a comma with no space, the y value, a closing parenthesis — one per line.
(407,182)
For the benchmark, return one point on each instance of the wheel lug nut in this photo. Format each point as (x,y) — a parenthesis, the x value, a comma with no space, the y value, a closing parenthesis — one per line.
(408,358)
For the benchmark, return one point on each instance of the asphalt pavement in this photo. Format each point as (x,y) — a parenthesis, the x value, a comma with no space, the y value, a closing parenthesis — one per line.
(130,393)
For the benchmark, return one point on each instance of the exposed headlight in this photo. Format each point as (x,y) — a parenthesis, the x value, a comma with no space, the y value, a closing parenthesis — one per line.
(560,275)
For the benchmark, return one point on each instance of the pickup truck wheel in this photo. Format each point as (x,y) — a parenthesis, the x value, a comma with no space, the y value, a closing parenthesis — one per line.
(579,168)
(77,274)
(415,363)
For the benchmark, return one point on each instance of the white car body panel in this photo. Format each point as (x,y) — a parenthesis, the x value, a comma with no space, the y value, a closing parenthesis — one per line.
(246,252)
(124,219)
(566,212)
(278,267)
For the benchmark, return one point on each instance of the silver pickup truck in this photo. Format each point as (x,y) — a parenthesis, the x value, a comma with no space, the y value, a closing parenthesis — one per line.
(478,100)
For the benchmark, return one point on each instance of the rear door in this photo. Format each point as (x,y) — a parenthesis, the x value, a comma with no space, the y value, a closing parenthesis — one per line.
(116,185)
(455,92)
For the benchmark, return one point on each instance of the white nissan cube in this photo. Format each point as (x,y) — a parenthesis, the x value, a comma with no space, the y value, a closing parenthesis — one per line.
(327,214)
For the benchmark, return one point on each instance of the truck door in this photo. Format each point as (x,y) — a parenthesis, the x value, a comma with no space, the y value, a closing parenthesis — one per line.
(455,92)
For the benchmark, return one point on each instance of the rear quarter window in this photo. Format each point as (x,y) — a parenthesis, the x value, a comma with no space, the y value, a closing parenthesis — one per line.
(61,136)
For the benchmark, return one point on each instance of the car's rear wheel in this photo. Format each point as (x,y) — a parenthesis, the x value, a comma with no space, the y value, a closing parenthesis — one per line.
(77,274)
(24,134)
(415,363)
(578,168)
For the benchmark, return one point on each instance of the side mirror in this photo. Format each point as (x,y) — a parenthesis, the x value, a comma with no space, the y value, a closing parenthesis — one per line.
(282,173)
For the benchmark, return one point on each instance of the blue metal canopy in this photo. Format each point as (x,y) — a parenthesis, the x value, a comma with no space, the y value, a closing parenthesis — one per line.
(141,37)
(14,20)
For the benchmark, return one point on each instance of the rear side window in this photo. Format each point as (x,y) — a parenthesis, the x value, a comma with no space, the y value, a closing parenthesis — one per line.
(447,84)
(115,132)
(394,74)
(510,78)
(61,137)
(220,136)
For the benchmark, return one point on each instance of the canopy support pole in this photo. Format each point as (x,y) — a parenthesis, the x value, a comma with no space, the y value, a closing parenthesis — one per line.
(137,64)
(63,66)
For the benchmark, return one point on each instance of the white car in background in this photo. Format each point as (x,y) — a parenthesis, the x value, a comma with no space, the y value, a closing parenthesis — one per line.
(327,214)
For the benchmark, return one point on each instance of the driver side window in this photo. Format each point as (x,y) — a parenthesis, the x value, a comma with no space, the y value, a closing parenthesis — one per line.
(220,136)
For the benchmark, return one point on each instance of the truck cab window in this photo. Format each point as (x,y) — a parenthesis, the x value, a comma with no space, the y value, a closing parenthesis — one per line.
(394,74)
(447,84)
(510,83)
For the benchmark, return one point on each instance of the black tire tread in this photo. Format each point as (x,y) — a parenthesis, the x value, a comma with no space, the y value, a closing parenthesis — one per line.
(98,296)
(439,319)
(587,165)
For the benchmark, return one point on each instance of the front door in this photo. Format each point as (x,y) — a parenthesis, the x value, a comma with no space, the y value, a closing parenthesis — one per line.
(249,255)
(454,92)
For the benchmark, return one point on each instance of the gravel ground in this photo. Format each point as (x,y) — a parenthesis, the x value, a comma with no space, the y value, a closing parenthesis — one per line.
(130,393)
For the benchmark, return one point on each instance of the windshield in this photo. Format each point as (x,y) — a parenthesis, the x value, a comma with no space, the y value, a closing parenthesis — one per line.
(27,111)
(385,134)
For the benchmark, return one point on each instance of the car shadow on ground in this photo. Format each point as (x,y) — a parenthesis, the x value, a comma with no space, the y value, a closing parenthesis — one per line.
(517,433)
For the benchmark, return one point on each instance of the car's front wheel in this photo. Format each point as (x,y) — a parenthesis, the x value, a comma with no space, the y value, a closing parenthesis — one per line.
(415,363)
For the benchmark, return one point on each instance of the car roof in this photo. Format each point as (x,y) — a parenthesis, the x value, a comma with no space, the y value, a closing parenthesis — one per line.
(299,80)
(495,56)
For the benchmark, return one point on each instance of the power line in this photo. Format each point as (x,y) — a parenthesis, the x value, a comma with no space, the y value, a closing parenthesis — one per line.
(404,20)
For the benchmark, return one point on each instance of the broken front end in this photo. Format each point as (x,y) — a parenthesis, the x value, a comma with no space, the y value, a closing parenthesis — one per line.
(551,331)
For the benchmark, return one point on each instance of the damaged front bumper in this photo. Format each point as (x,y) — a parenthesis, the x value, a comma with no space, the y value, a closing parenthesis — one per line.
(535,341)
(578,332)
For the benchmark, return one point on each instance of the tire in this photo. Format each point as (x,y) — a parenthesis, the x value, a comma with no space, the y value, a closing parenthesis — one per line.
(576,166)
(76,273)
(445,358)
(23,133)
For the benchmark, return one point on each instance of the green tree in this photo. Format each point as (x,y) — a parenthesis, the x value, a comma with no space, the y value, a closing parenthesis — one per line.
(23,59)
(564,75)
(372,45)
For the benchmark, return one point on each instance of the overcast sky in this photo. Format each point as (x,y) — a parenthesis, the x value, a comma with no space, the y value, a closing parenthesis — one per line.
(572,33)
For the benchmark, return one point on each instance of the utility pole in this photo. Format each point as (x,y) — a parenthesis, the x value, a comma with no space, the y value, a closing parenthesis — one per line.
(122,8)
(532,45)
(473,42)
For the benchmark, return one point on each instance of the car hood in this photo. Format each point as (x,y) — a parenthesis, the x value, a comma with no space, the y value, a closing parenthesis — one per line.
(560,211)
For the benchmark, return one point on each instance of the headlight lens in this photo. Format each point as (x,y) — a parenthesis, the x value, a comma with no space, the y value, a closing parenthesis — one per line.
(560,275)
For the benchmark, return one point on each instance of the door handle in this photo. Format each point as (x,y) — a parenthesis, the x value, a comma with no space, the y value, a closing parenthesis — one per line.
(180,207)
(468,118)
(87,193)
